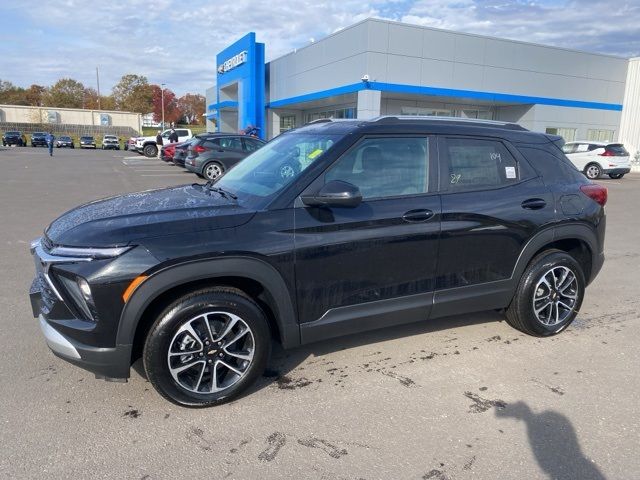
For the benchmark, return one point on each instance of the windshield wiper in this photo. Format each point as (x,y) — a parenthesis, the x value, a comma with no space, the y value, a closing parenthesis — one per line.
(223,193)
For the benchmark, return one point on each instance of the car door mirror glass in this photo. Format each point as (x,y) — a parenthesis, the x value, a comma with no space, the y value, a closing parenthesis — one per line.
(335,193)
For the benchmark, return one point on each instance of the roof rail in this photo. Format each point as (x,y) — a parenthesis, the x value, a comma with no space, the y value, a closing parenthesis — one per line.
(319,120)
(493,123)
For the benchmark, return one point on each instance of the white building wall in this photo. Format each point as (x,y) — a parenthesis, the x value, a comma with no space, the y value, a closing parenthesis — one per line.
(630,123)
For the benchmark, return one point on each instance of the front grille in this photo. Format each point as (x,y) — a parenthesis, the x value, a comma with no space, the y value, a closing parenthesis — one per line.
(47,295)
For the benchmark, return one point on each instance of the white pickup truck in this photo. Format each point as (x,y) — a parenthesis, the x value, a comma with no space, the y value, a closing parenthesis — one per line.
(147,145)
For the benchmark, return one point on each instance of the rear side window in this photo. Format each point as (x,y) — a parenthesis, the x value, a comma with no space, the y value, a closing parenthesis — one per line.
(231,143)
(213,143)
(182,133)
(475,164)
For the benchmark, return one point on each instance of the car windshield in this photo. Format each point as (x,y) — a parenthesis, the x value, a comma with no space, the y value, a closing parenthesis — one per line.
(87,138)
(66,139)
(268,170)
(12,133)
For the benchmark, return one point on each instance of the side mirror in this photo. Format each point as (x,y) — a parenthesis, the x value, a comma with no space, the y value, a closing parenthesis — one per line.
(336,193)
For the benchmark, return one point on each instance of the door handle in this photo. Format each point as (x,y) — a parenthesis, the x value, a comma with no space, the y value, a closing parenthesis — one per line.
(419,215)
(534,204)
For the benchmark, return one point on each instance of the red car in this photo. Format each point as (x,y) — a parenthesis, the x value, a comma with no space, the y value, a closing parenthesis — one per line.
(167,151)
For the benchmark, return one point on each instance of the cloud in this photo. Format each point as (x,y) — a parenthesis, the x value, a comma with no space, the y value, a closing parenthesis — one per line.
(176,42)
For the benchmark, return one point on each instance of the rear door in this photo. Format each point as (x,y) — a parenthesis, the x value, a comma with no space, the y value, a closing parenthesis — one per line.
(493,202)
(372,265)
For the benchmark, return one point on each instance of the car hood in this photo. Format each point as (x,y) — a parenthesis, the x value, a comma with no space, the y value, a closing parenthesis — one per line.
(126,219)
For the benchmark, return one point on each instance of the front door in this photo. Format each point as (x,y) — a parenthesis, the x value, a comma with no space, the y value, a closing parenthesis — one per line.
(372,265)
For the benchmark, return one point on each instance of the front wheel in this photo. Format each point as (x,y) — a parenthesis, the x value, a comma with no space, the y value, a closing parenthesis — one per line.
(150,151)
(207,347)
(592,171)
(616,176)
(549,295)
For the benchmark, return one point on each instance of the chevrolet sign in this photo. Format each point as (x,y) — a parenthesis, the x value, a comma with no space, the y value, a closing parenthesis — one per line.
(233,62)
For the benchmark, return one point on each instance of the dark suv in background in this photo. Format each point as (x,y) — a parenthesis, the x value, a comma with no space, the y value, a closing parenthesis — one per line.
(211,155)
(39,139)
(14,138)
(384,222)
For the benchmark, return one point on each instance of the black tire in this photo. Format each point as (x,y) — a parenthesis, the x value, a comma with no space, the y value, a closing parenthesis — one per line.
(592,171)
(212,170)
(165,335)
(150,150)
(520,313)
(616,176)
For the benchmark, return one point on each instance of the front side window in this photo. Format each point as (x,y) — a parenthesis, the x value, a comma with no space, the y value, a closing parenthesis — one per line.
(251,145)
(385,167)
(268,170)
(479,164)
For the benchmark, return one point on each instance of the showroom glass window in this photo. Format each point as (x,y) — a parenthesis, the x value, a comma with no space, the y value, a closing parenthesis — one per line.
(600,135)
(475,164)
(287,122)
(569,134)
(385,167)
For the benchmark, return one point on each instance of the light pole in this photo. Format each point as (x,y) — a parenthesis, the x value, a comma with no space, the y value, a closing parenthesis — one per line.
(162,85)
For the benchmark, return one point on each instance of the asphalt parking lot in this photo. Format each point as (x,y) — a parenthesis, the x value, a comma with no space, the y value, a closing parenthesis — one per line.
(458,398)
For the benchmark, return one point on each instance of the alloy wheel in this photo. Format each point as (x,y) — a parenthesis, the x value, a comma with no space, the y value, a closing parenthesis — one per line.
(555,296)
(212,171)
(211,352)
(593,172)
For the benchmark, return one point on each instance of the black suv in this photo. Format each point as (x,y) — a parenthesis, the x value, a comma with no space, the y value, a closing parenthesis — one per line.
(14,138)
(386,222)
(211,155)
(39,139)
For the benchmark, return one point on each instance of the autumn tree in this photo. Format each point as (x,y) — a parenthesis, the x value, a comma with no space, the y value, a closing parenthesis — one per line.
(172,112)
(34,95)
(65,93)
(11,94)
(192,106)
(134,94)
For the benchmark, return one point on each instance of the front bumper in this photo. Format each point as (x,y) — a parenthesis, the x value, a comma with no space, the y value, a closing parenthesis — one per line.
(107,363)
(114,146)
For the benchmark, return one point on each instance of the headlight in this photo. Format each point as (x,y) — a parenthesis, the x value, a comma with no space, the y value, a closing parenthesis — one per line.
(80,293)
(89,252)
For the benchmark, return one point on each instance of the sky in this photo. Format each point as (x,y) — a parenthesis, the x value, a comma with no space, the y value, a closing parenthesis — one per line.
(176,42)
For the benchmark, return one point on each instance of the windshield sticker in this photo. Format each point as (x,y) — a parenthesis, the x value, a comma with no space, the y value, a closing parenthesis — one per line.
(315,153)
(510,172)
(455,178)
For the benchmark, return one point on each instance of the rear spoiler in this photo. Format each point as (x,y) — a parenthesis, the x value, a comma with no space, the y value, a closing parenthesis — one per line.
(558,140)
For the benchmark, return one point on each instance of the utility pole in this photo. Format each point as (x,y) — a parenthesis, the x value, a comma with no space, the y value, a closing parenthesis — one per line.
(162,85)
(98,82)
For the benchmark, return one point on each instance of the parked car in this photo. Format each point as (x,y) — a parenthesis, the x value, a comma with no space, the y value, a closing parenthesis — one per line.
(14,138)
(130,144)
(39,139)
(181,151)
(387,222)
(211,156)
(87,142)
(64,141)
(110,142)
(167,152)
(597,158)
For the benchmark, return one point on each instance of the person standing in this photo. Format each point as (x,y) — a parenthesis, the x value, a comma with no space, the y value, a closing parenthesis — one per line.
(50,139)
(173,136)
(159,143)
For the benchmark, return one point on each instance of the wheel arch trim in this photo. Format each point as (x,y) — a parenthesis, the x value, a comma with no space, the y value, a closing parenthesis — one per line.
(244,267)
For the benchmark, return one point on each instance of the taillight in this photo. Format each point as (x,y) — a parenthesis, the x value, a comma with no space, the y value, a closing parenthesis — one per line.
(199,149)
(608,153)
(596,192)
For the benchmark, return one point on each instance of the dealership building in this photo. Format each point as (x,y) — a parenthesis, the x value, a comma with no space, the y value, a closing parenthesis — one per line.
(379,67)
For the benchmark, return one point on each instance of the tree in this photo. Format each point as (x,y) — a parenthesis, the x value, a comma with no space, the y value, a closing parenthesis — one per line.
(172,112)
(34,95)
(65,93)
(11,95)
(133,93)
(90,98)
(107,102)
(193,107)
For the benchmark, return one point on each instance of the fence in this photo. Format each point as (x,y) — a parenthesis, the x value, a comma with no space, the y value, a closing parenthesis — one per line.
(69,129)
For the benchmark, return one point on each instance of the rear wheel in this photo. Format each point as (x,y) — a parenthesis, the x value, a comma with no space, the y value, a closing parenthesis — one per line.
(592,171)
(207,347)
(212,171)
(549,295)
(616,176)
(150,150)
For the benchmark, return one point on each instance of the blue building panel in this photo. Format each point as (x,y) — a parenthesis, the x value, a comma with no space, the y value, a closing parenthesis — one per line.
(242,63)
